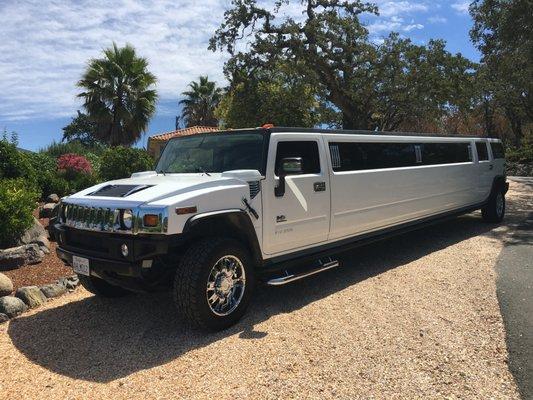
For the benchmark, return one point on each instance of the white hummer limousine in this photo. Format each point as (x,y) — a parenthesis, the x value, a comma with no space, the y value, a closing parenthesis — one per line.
(224,210)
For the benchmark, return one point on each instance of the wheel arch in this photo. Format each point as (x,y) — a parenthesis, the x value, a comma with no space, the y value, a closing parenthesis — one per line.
(234,223)
(498,183)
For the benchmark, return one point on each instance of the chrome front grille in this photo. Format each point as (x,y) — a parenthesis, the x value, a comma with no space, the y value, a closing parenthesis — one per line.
(91,218)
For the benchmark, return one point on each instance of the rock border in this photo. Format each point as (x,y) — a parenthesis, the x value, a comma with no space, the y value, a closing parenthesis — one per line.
(28,297)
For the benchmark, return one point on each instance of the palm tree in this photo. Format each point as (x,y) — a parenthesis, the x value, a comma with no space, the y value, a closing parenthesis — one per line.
(200,102)
(118,95)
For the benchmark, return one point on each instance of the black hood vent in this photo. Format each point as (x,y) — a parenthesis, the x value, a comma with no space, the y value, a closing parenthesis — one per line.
(119,190)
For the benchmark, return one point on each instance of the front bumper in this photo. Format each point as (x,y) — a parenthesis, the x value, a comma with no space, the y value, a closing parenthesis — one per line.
(151,258)
(102,267)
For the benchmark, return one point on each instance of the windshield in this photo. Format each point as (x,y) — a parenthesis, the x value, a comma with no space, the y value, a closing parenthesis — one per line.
(213,153)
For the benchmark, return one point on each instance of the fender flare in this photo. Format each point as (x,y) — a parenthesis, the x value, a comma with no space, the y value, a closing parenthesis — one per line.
(499,182)
(235,223)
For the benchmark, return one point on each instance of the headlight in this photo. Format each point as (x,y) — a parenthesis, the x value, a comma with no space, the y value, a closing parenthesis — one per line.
(127,219)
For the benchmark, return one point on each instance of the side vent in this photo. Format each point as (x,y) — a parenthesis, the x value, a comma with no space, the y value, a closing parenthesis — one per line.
(254,188)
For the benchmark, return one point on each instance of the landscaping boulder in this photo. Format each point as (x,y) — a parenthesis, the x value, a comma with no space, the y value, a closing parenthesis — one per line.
(6,286)
(48,210)
(31,295)
(52,198)
(69,282)
(15,257)
(53,290)
(36,234)
(12,306)
(3,318)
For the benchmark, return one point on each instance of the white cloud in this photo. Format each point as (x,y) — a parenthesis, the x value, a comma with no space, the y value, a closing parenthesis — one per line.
(45,47)
(437,19)
(395,8)
(393,24)
(392,16)
(461,6)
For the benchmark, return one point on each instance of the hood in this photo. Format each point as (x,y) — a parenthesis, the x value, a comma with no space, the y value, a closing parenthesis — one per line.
(148,187)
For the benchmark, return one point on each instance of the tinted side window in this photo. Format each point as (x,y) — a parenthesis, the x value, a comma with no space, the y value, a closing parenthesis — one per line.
(497,150)
(444,153)
(361,156)
(482,153)
(307,150)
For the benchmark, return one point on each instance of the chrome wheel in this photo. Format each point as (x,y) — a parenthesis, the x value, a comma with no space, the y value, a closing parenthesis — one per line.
(225,285)
(499,204)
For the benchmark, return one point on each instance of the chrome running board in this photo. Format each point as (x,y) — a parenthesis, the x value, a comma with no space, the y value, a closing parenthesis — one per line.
(287,278)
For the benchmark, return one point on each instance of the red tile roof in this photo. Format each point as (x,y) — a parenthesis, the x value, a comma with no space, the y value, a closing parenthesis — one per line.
(193,130)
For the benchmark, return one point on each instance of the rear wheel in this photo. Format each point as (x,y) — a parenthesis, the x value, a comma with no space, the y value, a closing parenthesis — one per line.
(494,210)
(102,288)
(214,283)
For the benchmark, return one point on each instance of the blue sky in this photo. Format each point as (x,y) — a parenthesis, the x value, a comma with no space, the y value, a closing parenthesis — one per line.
(45,45)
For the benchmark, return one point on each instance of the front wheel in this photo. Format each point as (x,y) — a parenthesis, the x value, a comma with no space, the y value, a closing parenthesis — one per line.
(213,283)
(494,210)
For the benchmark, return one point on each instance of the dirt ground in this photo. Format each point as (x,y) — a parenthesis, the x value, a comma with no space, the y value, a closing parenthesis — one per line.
(415,316)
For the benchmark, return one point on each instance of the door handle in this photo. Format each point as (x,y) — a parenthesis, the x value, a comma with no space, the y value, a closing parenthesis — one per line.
(319,186)
(491,166)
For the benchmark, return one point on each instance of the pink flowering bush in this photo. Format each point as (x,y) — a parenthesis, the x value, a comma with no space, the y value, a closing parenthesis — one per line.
(73,164)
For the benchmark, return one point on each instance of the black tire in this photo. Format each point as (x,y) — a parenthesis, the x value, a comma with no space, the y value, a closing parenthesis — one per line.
(102,288)
(494,210)
(191,279)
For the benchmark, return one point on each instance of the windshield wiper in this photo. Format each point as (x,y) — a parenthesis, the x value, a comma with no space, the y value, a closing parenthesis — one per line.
(201,169)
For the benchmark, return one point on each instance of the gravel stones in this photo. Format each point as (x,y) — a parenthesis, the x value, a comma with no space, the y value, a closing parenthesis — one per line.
(6,286)
(53,290)
(31,295)
(3,318)
(12,306)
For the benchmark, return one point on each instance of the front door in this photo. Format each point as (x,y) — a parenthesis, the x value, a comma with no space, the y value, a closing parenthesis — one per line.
(299,217)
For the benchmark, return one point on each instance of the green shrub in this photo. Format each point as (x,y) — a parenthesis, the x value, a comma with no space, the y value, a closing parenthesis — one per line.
(45,172)
(56,149)
(14,164)
(82,181)
(17,202)
(53,183)
(95,160)
(521,155)
(121,162)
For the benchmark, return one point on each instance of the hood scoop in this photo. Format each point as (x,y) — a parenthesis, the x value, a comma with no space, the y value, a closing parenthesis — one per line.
(119,190)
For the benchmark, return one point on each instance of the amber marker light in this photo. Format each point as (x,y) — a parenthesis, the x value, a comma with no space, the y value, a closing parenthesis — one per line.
(186,210)
(151,220)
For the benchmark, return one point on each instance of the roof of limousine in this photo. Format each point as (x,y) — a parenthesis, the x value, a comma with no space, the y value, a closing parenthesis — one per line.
(371,133)
(346,132)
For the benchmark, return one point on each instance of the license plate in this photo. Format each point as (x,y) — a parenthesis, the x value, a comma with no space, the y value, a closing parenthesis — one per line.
(80,265)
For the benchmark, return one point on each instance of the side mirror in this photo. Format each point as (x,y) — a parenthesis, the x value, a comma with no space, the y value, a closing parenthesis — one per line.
(287,166)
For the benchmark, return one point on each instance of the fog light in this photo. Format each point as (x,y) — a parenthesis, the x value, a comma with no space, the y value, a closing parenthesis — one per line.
(151,220)
(124,249)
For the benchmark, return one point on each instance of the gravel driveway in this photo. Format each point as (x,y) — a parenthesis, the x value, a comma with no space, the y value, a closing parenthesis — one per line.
(413,317)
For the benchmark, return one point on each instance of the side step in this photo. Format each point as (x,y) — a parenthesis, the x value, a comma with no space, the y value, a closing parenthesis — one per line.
(324,265)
